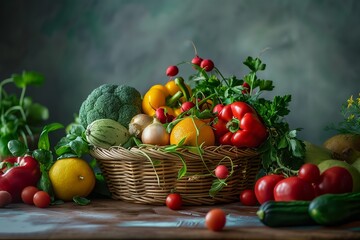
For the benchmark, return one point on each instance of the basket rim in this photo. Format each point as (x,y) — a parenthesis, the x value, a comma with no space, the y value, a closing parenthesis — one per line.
(145,151)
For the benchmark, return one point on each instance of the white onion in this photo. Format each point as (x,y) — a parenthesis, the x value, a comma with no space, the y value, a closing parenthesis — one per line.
(155,134)
(138,123)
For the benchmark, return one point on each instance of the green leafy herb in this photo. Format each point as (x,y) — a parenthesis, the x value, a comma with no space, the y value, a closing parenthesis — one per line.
(74,144)
(20,117)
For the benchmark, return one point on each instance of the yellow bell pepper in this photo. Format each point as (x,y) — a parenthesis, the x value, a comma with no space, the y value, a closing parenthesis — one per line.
(168,96)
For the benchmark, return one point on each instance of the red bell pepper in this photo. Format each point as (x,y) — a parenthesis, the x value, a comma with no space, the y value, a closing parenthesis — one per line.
(238,124)
(24,172)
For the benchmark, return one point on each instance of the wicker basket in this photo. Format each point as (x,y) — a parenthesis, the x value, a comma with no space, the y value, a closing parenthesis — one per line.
(147,175)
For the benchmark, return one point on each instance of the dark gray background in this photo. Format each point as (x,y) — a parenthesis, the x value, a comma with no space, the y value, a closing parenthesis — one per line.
(313,48)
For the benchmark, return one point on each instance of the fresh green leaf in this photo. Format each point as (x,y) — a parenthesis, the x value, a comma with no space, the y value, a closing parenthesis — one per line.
(37,113)
(216,186)
(4,150)
(93,163)
(44,183)
(28,78)
(266,85)
(67,155)
(60,150)
(283,143)
(17,148)
(43,156)
(44,142)
(79,146)
(82,201)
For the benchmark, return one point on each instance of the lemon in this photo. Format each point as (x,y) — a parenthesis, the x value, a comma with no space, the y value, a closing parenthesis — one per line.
(71,177)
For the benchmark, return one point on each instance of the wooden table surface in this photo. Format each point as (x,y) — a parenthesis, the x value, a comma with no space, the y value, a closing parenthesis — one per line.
(111,219)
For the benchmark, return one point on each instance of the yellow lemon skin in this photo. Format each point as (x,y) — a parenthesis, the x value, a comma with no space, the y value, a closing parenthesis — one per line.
(71,177)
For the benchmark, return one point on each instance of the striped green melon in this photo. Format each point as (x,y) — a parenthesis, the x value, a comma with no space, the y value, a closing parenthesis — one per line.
(105,133)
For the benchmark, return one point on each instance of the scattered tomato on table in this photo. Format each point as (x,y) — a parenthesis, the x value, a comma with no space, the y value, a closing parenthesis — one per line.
(248,198)
(5,198)
(215,219)
(41,199)
(174,201)
(27,194)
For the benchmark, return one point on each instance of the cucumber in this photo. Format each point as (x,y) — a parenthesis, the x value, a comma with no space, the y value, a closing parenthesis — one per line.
(105,133)
(334,209)
(285,214)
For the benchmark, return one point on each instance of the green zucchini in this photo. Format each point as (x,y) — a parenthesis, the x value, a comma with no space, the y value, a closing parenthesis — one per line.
(285,214)
(334,209)
(105,133)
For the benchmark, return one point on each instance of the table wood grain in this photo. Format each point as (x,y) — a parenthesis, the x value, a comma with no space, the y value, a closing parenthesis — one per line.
(111,219)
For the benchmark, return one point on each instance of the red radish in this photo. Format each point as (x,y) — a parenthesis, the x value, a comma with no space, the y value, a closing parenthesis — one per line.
(162,116)
(221,171)
(172,71)
(186,106)
(196,60)
(246,87)
(207,64)
(169,118)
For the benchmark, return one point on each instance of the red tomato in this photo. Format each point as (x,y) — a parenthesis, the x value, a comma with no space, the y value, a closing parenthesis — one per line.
(174,201)
(27,194)
(215,219)
(335,180)
(309,172)
(293,188)
(221,172)
(248,198)
(264,187)
(5,198)
(42,199)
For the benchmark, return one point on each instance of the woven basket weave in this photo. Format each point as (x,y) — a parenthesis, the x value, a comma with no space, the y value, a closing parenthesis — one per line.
(131,176)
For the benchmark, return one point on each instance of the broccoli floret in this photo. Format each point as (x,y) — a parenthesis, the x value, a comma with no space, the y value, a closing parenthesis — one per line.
(117,102)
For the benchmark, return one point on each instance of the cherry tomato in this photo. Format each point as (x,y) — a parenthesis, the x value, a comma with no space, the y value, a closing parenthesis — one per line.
(27,194)
(335,180)
(248,198)
(5,198)
(309,172)
(293,188)
(264,187)
(174,201)
(215,219)
(42,199)
(221,171)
